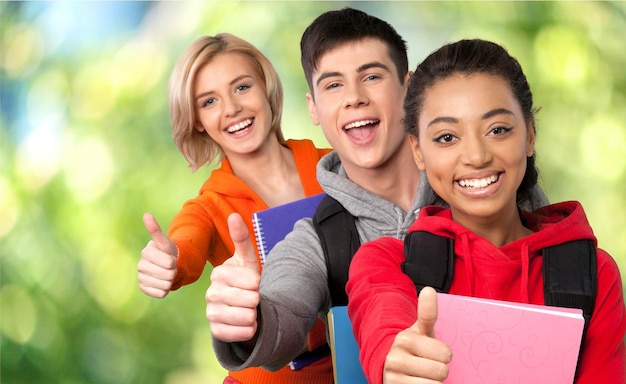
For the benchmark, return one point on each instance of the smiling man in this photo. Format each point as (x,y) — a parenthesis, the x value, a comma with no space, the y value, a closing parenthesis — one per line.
(357,70)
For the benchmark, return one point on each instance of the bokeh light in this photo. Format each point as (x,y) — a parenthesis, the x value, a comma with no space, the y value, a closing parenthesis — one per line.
(86,149)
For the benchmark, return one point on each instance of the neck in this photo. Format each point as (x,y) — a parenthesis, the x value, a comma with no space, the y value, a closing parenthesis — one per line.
(271,172)
(397,180)
(500,229)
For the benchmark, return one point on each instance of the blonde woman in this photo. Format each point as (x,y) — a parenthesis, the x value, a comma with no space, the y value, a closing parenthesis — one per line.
(226,106)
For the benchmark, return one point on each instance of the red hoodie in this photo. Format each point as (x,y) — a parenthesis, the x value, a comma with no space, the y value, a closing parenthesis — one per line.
(383,301)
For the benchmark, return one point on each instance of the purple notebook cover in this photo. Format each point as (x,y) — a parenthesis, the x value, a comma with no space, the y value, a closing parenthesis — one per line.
(273,224)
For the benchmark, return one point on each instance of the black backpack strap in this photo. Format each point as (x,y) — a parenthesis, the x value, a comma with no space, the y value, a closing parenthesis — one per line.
(340,240)
(570,277)
(429,260)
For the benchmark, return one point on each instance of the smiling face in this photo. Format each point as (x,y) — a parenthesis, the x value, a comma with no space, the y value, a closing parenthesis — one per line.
(473,143)
(357,99)
(231,103)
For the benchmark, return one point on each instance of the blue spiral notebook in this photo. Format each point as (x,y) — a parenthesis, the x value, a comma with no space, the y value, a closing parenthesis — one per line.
(273,224)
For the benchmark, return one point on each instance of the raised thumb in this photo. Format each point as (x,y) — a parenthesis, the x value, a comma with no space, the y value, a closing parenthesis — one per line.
(158,237)
(427,311)
(245,255)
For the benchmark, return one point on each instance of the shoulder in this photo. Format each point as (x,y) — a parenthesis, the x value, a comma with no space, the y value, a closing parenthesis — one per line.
(381,253)
(607,266)
(306,145)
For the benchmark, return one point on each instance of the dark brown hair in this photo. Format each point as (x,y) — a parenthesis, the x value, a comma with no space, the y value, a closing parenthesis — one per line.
(334,28)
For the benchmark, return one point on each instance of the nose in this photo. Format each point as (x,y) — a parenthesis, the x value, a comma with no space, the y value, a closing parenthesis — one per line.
(355,96)
(231,106)
(475,151)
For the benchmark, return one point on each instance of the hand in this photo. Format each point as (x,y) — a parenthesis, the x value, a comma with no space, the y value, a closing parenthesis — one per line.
(157,266)
(415,353)
(233,296)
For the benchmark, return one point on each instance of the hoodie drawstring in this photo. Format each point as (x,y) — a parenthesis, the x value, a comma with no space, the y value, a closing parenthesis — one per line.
(469,269)
(525,273)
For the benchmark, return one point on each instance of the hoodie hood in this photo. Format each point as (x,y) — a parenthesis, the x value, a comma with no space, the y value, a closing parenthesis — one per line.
(377,217)
(487,267)
(224,182)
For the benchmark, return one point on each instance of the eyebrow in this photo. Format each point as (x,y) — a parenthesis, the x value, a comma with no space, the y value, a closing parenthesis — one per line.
(232,82)
(362,68)
(492,113)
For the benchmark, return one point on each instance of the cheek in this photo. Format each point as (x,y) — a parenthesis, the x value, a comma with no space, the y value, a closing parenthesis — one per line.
(326,117)
(522,154)
(515,159)
(440,165)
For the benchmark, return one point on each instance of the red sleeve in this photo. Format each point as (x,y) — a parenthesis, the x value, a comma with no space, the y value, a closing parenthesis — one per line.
(603,355)
(382,302)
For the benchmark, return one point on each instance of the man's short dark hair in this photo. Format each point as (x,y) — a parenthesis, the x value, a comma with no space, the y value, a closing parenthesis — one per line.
(333,28)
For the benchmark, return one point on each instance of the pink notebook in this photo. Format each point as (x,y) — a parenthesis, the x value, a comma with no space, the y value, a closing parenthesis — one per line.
(501,342)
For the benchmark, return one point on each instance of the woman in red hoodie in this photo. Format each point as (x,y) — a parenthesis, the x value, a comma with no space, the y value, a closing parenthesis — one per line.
(470,118)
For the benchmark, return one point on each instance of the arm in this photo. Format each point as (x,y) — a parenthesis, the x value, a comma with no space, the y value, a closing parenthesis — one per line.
(603,354)
(293,292)
(395,342)
(200,238)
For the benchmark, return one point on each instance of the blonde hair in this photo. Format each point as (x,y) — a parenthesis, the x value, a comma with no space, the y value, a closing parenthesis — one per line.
(197,147)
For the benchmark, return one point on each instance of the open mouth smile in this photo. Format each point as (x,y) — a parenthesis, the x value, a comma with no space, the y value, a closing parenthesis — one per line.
(478,183)
(360,124)
(239,126)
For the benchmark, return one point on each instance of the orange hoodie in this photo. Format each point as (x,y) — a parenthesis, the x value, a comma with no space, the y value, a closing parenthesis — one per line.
(200,232)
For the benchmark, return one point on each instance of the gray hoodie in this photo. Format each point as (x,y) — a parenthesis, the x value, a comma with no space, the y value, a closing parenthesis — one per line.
(294,288)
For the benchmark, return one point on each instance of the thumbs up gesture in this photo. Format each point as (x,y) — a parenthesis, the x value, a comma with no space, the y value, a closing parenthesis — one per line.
(157,266)
(233,296)
(415,353)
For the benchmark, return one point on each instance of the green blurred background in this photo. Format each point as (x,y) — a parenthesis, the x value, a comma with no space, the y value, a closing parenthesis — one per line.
(86,149)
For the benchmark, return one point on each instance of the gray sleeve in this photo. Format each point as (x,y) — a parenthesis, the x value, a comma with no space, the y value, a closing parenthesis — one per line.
(294,291)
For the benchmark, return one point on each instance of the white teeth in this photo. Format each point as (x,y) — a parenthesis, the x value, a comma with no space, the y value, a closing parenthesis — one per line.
(478,183)
(361,123)
(237,127)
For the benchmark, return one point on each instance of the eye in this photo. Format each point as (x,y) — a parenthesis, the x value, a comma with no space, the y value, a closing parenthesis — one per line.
(242,88)
(372,77)
(332,86)
(445,138)
(208,102)
(499,131)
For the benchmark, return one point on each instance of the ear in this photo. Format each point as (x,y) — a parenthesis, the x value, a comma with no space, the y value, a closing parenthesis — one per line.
(407,77)
(312,109)
(199,127)
(417,152)
(530,139)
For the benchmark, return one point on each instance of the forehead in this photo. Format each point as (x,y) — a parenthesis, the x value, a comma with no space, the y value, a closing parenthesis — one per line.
(475,88)
(224,65)
(350,55)
(221,70)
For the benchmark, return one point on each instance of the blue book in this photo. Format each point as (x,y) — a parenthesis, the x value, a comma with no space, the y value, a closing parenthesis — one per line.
(344,349)
(273,224)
